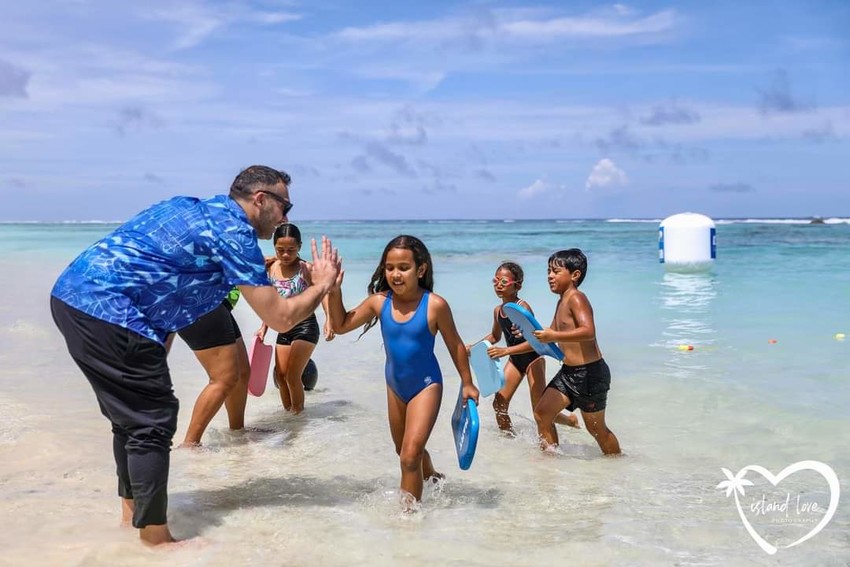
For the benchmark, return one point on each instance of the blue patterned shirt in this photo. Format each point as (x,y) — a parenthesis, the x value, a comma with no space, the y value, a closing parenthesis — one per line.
(166,267)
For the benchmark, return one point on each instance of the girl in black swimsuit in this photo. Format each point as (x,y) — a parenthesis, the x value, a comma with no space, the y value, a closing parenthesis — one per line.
(522,361)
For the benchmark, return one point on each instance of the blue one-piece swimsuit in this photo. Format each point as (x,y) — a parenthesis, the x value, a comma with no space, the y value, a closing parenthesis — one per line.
(411,365)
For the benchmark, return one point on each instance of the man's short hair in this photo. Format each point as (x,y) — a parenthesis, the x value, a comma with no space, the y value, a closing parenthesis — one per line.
(255,178)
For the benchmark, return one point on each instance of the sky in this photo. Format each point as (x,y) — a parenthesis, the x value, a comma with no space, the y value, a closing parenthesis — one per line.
(428,110)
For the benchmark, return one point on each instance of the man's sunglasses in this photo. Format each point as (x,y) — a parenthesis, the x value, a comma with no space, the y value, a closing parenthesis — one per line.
(287,205)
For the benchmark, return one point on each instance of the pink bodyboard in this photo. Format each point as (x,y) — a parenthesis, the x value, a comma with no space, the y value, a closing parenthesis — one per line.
(260,357)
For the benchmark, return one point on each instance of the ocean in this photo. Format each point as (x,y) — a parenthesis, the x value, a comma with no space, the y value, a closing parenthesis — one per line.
(765,384)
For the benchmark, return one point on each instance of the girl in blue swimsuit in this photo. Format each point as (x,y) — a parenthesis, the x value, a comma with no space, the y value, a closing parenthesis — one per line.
(401,297)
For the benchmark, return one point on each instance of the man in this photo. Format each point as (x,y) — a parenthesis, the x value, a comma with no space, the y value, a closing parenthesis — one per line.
(118,302)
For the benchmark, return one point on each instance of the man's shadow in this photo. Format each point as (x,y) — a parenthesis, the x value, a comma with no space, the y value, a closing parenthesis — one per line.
(204,508)
(277,422)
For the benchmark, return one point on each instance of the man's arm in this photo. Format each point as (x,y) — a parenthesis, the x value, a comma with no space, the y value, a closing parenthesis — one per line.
(282,314)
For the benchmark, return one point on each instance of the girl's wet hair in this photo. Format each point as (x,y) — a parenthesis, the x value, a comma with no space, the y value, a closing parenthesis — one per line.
(514,268)
(421,256)
(571,260)
(287,230)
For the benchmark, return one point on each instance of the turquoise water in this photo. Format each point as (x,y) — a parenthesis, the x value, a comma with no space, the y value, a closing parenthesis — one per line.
(766,383)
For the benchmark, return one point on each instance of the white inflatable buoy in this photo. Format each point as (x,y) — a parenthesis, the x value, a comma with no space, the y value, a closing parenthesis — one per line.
(687,242)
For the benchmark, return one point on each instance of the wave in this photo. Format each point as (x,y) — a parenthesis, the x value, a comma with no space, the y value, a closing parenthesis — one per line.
(811,220)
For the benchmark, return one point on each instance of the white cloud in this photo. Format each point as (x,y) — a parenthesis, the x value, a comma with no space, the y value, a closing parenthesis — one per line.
(539,187)
(272,18)
(514,25)
(197,20)
(590,26)
(604,175)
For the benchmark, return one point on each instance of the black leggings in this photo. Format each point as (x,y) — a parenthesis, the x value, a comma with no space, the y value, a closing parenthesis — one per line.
(130,378)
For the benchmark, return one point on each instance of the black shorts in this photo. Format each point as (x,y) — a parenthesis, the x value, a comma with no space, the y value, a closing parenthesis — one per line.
(216,328)
(523,361)
(306,330)
(586,386)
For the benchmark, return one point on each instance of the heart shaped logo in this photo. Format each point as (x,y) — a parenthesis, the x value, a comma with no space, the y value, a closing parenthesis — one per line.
(734,484)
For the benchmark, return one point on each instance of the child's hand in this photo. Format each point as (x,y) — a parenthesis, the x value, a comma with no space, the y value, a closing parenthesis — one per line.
(545,335)
(470,392)
(497,352)
(516,331)
(261,332)
(329,332)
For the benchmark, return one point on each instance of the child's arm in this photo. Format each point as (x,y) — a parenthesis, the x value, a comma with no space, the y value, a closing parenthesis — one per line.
(577,313)
(261,332)
(457,350)
(328,328)
(343,321)
(499,352)
(521,348)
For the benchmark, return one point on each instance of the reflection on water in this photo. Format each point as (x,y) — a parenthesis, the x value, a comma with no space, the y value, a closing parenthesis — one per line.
(686,312)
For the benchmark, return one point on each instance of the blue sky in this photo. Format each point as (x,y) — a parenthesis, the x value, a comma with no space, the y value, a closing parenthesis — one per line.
(387,110)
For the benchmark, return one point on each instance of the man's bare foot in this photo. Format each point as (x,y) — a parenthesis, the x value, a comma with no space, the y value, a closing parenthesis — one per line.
(189,444)
(154,535)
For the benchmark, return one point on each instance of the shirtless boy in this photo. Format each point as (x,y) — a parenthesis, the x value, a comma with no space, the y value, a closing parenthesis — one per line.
(584,378)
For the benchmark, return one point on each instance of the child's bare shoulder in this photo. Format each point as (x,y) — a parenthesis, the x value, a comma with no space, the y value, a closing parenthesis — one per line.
(577,299)
(438,301)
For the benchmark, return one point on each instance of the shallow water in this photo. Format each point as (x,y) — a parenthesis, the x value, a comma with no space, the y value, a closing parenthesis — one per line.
(322,488)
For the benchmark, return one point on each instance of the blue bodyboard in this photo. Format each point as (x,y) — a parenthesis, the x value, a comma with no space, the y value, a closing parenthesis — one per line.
(465,430)
(488,371)
(522,318)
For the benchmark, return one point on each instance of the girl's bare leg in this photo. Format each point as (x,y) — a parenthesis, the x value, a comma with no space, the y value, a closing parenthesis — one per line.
(281,361)
(410,426)
(502,399)
(299,355)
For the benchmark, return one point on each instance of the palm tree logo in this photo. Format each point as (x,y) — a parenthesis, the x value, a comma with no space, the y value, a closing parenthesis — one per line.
(735,483)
